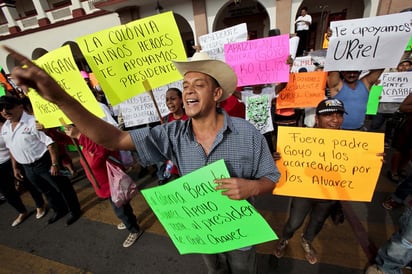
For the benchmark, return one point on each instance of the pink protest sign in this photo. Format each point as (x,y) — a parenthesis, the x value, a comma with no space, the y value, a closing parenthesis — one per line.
(260,61)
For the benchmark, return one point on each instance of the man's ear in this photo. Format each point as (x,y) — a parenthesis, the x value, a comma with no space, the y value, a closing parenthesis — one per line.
(217,93)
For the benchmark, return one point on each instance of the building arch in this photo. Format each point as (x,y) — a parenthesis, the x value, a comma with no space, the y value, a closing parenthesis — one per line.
(37,53)
(251,12)
(78,56)
(186,33)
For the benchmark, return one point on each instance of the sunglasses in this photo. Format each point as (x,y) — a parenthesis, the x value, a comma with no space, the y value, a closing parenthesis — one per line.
(6,107)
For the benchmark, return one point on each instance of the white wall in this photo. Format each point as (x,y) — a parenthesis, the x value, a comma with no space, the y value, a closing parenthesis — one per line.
(371,8)
(54,38)
(182,7)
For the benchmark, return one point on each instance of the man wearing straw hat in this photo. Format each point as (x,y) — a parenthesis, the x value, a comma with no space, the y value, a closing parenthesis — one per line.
(208,135)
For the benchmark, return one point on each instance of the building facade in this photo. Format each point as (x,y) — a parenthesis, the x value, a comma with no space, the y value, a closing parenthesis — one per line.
(35,27)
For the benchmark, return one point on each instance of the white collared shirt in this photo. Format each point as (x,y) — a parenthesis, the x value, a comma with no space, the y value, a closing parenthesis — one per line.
(302,25)
(4,152)
(25,143)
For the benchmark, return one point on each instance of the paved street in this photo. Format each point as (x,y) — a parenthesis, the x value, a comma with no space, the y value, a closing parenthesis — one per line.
(94,245)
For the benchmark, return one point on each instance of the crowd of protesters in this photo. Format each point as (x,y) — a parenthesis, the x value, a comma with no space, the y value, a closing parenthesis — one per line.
(199,116)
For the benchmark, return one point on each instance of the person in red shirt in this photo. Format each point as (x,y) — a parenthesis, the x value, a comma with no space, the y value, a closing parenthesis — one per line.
(233,106)
(96,157)
(167,171)
(174,103)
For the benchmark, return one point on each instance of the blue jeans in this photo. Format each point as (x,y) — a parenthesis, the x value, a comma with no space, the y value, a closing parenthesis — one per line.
(319,211)
(397,252)
(403,190)
(126,215)
(236,262)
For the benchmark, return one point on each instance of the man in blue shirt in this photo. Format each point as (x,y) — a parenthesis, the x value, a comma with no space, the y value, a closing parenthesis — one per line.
(354,93)
(208,135)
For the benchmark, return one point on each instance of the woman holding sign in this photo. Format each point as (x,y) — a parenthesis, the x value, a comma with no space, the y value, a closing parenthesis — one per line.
(167,171)
(329,114)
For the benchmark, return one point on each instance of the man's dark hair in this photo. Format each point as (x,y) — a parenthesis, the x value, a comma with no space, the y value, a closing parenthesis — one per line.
(178,91)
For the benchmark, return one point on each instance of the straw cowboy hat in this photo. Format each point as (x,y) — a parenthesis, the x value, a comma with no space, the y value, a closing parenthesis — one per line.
(219,70)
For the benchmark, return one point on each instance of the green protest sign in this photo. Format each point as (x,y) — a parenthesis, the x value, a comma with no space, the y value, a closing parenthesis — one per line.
(373,100)
(200,219)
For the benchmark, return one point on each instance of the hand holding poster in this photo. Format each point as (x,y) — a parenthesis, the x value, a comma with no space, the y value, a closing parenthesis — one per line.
(258,112)
(200,219)
(293,46)
(259,61)
(124,56)
(304,89)
(303,62)
(328,164)
(396,86)
(61,66)
(373,100)
(368,43)
(213,43)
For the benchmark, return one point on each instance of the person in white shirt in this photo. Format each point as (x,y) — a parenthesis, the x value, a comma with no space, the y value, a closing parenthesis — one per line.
(8,188)
(303,23)
(37,154)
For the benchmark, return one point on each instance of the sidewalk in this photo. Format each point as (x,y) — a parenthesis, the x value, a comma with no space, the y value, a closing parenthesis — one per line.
(94,245)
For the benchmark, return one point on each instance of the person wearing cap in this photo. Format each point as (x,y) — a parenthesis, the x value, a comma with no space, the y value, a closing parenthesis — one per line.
(354,93)
(37,154)
(208,135)
(329,115)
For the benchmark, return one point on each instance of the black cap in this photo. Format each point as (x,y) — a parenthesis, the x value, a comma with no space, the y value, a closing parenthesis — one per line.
(10,100)
(330,105)
(405,60)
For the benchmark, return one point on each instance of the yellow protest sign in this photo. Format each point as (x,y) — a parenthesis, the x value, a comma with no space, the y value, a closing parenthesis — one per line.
(123,57)
(61,66)
(328,164)
(304,89)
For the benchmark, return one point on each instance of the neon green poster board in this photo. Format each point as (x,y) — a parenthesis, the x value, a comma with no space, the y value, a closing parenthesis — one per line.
(123,57)
(2,91)
(200,219)
(60,64)
(373,100)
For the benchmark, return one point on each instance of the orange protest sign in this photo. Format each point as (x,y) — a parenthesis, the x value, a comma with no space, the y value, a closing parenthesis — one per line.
(304,89)
(328,164)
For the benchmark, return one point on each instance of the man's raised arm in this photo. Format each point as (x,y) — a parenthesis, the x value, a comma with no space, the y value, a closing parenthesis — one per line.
(372,77)
(334,83)
(29,75)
